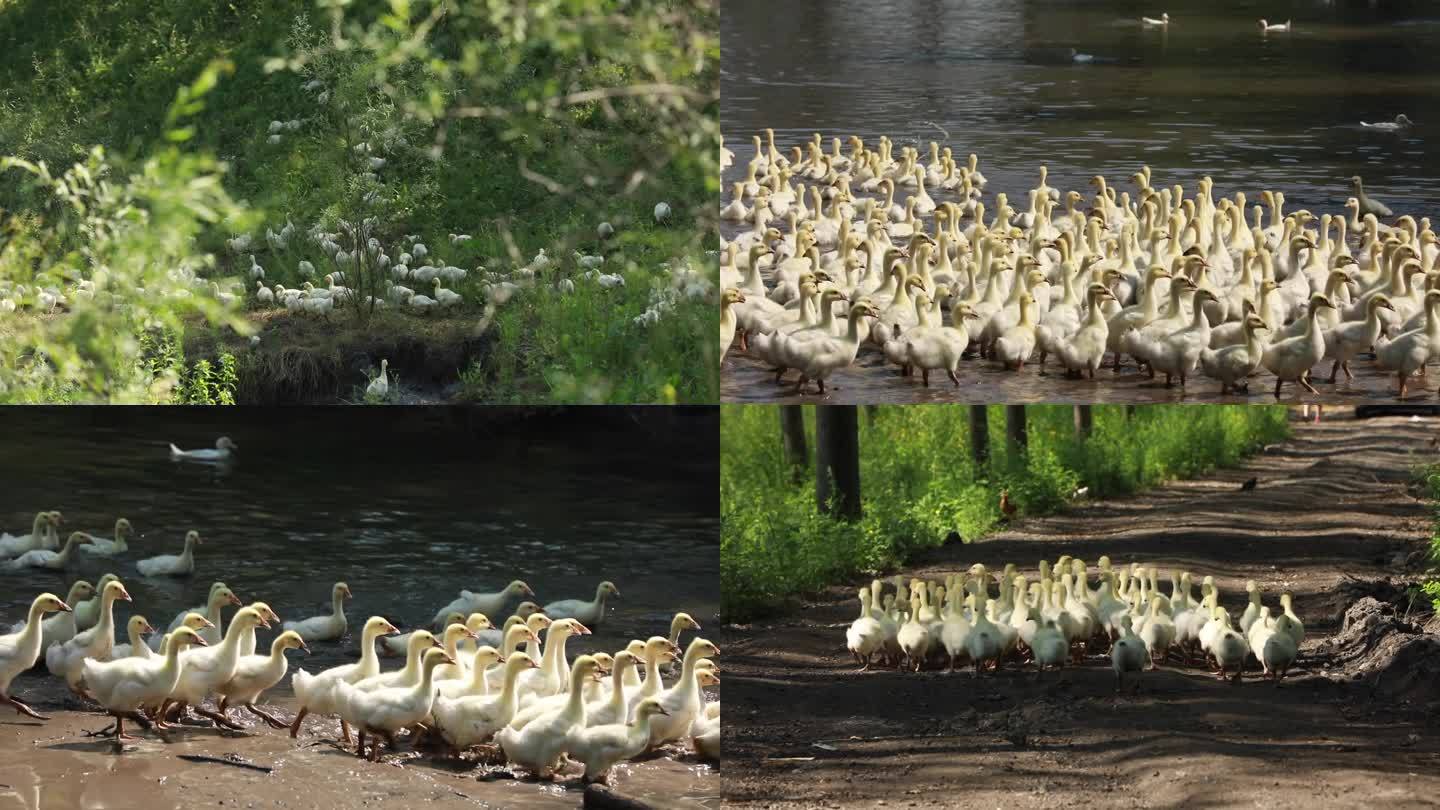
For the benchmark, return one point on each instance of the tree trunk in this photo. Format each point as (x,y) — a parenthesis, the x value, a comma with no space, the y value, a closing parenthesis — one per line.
(837,461)
(979,437)
(1084,422)
(792,433)
(1015,426)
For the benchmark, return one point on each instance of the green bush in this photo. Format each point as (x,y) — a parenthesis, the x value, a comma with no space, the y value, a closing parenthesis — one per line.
(1430,478)
(522,125)
(919,484)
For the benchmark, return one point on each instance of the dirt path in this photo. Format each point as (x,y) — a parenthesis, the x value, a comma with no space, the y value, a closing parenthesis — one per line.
(1332,506)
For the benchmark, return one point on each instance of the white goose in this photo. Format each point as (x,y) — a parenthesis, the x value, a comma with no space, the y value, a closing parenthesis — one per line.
(1233,365)
(615,707)
(491,604)
(316,692)
(15,545)
(864,637)
(19,651)
(60,628)
(100,547)
(705,733)
(1127,654)
(53,560)
(681,622)
(64,660)
(87,613)
(206,671)
(683,700)
(126,686)
(256,673)
(172,565)
(407,675)
(385,711)
(474,719)
(1293,358)
(325,628)
(1402,121)
(1410,351)
(135,631)
(656,651)
(476,681)
(537,747)
(588,613)
(549,678)
(224,447)
(1351,338)
(220,596)
(600,747)
(536,624)
(449,641)
(380,386)
(399,645)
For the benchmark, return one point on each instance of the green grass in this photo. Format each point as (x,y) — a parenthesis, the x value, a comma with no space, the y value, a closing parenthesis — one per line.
(105,72)
(1430,480)
(918,483)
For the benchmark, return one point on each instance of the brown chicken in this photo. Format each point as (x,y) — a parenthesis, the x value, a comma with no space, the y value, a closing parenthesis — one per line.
(1007,507)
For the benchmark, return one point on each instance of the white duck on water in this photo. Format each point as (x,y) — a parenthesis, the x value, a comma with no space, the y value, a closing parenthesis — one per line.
(491,604)
(173,565)
(224,448)
(587,612)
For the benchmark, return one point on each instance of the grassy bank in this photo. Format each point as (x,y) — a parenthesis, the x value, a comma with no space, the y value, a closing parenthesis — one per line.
(919,483)
(487,134)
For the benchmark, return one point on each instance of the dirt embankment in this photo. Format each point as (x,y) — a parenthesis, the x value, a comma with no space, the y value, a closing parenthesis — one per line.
(307,360)
(1334,518)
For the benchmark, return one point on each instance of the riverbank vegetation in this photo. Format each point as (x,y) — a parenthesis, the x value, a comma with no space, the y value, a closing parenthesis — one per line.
(921,476)
(514,197)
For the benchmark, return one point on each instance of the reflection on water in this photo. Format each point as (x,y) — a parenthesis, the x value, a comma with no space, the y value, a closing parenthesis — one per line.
(407,506)
(1209,96)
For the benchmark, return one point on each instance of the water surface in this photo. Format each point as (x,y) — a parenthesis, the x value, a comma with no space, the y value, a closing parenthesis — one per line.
(1210,95)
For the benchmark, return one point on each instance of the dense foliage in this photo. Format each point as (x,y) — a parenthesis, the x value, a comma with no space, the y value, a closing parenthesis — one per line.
(918,483)
(320,136)
(1430,482)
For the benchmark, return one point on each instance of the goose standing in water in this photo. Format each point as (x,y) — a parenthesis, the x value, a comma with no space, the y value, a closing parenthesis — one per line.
(19,651)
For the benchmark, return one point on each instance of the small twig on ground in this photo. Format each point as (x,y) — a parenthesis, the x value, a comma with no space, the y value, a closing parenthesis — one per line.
(600,797)
(223,761)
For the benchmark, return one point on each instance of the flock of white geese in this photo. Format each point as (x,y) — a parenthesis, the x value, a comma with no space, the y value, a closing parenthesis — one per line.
(468,683)
(830,262)
(1059,619)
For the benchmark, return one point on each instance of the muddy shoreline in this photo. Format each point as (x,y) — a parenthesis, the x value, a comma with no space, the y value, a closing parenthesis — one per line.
(53,764)
(1335,518)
